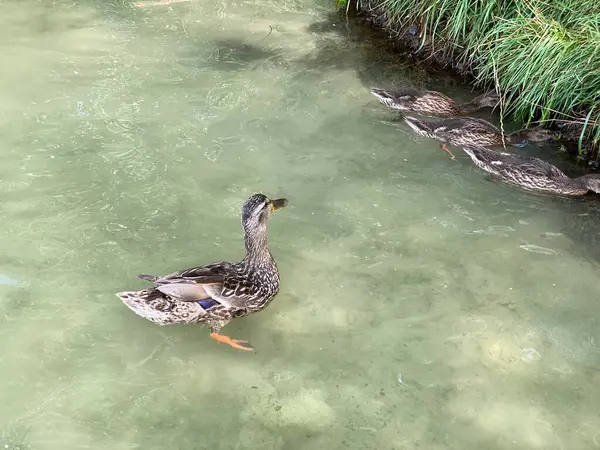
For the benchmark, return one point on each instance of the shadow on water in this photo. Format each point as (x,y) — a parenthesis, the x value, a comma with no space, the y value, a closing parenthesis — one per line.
(350,42)
(233,54)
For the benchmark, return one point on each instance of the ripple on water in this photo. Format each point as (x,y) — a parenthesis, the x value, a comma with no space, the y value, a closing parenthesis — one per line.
(132,148)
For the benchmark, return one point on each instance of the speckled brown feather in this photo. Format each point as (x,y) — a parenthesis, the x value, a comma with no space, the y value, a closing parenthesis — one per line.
(431,103)
(528,173)
(227,290)
(474,131)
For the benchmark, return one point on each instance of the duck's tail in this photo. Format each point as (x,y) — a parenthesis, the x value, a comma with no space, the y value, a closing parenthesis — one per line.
(155,306)
(150,304)
(385,97)
(421,127)
(152,278)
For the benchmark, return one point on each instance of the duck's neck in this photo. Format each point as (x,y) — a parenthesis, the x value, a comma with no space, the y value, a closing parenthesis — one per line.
(577,183)
(518,137)
(469,107)
(578,186)
(584,182)
(255,242)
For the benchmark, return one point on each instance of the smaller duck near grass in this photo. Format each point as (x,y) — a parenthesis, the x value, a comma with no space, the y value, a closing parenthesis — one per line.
(474,131)
(432,103)
(530,173)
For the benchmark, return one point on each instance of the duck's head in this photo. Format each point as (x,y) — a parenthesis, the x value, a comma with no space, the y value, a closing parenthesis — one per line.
(539,134)
(592,182)
(257,210)
(489,99)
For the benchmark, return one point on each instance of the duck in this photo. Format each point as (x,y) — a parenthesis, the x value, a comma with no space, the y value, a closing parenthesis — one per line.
(530,173)
(217,293)
(432,103)
(474,131)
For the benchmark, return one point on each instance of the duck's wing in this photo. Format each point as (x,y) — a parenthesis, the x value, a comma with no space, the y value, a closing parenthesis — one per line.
(468,124)
(408,95)
(451,127)
(208,273)
(505,161)
(197,283)
(220,281)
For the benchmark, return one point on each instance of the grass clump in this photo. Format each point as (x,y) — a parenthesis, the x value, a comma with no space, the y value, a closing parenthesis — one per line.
(543,56)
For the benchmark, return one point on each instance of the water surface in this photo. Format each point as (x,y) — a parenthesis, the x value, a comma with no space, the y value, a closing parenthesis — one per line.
(421,306)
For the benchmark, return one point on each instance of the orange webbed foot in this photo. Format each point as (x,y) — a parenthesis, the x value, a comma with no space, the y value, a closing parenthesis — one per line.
(447,150)
(235,343)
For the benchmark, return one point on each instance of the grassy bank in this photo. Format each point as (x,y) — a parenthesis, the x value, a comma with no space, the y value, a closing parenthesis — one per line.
(544,57)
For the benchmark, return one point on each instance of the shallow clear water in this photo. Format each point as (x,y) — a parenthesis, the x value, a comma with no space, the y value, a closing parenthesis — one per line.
(421,306)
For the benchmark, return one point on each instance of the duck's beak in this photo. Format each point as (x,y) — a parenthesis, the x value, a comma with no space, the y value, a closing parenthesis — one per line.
(279,203)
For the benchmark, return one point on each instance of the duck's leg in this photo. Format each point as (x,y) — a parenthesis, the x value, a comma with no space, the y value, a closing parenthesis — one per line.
(444,147)
(235,343)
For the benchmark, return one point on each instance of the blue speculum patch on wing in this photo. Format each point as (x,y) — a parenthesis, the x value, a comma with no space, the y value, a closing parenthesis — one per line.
(206,304)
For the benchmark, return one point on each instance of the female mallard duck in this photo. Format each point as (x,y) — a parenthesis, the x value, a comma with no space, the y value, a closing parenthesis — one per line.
(219,292)
(529,173)
(432,103)
(473,131)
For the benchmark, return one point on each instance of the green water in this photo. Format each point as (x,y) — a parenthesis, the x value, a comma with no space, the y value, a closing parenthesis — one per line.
(421,305)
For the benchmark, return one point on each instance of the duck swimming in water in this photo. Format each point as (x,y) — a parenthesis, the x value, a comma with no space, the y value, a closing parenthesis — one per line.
(217,293)
(529,173)
(474,131)
(432,103)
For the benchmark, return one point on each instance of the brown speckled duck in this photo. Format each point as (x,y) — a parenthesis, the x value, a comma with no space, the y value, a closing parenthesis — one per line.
(473,131)
(529,173)
(219,292)
(432,103)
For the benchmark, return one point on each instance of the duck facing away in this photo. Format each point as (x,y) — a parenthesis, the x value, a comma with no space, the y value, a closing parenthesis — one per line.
(531,174)
(474,131)
(432,103)
(219,292)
